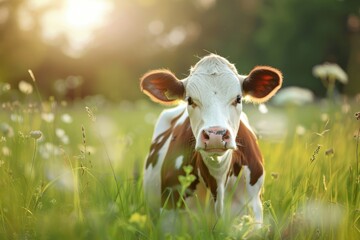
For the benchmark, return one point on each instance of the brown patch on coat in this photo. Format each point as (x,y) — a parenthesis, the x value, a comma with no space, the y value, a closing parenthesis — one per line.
(182,144)
(157,145)
(247,154)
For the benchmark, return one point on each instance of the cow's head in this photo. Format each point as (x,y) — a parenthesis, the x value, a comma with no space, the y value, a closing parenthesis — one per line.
(213,92)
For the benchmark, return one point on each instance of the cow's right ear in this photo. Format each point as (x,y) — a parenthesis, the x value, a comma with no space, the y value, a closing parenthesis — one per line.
(162,86)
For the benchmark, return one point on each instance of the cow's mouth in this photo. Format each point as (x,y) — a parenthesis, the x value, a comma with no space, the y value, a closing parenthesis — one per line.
(215,151)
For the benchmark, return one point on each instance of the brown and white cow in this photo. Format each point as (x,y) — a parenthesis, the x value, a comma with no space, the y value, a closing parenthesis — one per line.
(208,131)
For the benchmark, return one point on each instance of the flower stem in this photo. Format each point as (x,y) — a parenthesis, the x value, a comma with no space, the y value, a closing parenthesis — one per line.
(33,158)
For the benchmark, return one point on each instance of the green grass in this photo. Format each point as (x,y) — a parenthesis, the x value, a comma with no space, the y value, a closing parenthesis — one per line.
(85,182)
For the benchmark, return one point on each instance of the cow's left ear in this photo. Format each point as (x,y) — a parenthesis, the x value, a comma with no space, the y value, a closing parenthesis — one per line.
(262,83)
(162,86)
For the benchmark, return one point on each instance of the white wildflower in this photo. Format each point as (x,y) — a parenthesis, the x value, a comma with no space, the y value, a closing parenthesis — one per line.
(60,175)
(332,71)
(60,133)
(16,118)
(300,130)
(293,96)
(25,87)
(48,150)
(66,118)
(48,117)
(6,151)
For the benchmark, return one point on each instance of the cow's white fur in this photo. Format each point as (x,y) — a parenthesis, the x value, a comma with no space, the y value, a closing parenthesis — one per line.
(164,120)
(214,85)
(179,161)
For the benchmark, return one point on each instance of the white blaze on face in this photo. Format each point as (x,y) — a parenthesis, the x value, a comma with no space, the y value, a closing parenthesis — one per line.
(214,87)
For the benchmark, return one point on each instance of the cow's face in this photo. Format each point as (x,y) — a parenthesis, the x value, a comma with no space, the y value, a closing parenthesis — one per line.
(213,92)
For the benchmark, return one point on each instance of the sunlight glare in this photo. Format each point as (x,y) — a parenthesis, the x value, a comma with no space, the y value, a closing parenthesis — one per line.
(81,14)
(76,20)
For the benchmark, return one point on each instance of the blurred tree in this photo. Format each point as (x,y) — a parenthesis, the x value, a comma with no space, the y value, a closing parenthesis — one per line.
(354,60)
(296,35)
(139,35)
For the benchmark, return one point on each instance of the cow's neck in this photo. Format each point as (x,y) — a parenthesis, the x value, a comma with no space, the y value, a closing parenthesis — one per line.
(219,167)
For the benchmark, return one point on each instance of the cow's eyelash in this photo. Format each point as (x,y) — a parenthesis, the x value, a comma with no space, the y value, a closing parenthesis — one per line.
(237,100)
(190,102)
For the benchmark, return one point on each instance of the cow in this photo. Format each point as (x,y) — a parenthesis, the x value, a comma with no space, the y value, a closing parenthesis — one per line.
(208,131)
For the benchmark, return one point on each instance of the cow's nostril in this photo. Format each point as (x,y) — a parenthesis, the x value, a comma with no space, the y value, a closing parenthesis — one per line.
(205,135)
(226,136)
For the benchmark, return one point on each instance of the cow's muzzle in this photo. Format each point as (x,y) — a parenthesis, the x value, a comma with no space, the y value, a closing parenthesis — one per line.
(215,139)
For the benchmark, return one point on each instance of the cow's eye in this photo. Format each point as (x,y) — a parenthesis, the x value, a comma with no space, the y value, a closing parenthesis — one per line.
(190,102)
(237,100)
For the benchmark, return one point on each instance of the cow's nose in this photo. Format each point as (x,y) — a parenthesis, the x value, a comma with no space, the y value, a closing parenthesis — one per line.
(215,138)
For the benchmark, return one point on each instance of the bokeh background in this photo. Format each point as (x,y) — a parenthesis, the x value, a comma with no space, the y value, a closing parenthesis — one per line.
(78,48)
(75,130)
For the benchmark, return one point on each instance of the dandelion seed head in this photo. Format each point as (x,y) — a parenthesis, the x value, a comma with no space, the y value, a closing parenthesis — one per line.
(16,118)
(6,130)
(60,133)
(300,130)
(36,134)
(66,118)
(25,87)
(48,117)
(6,151)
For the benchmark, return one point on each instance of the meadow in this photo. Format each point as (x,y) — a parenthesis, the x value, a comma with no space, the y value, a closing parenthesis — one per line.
(74,170)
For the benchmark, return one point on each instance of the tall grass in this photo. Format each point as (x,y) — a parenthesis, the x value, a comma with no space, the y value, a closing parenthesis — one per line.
(81,178)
